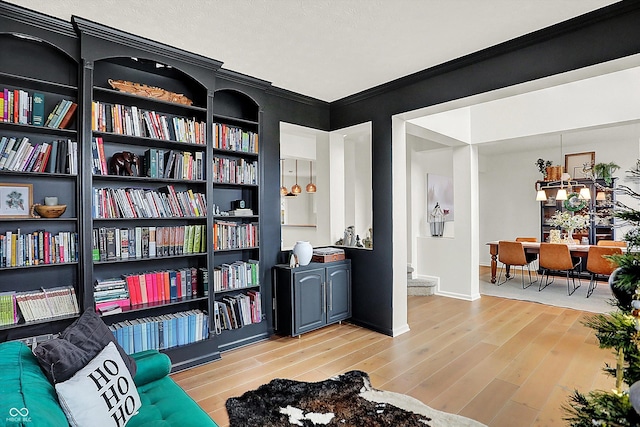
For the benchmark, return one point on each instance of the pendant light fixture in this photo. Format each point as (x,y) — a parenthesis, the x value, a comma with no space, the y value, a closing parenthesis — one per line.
(283,189)
(296,189)
(562,193)
(311,187)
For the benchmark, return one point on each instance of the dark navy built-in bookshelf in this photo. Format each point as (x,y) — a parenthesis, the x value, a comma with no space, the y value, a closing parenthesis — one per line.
(162,229)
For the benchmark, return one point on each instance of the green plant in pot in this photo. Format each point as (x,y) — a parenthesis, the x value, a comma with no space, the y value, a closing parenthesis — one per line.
(605,171)
(543,165)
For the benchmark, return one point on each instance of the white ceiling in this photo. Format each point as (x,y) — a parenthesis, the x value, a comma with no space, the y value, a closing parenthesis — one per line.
(326,49)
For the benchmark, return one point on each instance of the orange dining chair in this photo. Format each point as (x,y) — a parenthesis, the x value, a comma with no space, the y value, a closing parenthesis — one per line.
(512,254)
(598,265)
(556,257)
(531,257)
(616,243)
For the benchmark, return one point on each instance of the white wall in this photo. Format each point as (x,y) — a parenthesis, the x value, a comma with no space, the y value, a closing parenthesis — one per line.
(452,258)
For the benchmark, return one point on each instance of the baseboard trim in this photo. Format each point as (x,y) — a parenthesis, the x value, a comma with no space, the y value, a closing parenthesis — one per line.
(456,295)
(401,330)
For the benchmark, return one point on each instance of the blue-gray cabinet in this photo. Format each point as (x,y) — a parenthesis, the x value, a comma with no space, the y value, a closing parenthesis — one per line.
(310,297)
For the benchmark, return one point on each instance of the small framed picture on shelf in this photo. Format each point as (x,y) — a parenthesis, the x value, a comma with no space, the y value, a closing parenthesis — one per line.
(579,165)
(15,200)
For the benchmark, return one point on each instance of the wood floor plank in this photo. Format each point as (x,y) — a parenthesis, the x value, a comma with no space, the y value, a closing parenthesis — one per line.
(489,401)
(493,359)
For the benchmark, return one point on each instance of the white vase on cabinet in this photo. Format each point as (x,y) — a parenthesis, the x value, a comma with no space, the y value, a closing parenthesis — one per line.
(303,251)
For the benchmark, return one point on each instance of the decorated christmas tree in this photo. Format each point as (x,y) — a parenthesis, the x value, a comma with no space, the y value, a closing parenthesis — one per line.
(619,331)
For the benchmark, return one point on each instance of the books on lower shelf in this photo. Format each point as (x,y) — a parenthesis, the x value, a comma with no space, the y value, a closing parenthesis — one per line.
(236,311)
(19,249)
(21,155)
(47,303)
(161,332)
(111,243)
(164,202)
(236,275)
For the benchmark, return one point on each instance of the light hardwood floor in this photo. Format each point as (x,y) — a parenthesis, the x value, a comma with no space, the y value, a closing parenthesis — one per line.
(502,362)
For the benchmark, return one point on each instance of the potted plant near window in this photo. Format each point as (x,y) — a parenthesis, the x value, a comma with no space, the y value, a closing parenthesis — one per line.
(605,171)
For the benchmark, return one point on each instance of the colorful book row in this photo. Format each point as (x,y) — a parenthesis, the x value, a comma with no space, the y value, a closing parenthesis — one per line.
(166,285)
(161,332)
(236,275)
(19,154)
(132,121)
(233,235)
(151,287)
(235,171)
(235,139)
(22,107)
(164,202)
(111,243)
(39,247)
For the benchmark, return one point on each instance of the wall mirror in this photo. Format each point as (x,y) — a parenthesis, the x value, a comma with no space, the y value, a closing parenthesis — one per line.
(338,166)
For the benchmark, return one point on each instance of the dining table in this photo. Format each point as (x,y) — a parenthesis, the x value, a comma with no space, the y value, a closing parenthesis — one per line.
(576,250)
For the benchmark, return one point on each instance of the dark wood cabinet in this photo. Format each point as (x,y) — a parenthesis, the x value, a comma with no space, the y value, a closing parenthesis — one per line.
(310,297)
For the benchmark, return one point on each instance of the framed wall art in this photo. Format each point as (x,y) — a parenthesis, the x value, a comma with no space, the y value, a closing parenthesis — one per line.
(578,165)
(15,200)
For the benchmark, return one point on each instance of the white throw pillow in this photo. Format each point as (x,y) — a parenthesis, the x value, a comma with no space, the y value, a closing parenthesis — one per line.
(100,394)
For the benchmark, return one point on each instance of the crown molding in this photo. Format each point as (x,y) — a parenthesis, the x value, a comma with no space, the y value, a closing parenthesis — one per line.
(243,79)
(36,19)
(99,31)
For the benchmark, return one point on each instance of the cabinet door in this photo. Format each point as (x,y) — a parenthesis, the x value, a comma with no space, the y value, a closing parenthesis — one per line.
(339,293)
(309,299)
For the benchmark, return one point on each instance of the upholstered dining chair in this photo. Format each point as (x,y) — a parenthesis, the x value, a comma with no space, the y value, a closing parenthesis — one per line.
(616,243)
(531,257)
(556,257)
(512,254)
(598,265)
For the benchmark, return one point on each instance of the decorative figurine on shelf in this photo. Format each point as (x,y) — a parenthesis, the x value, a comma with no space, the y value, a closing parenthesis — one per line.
(436,221)
(293,261)
(368,241)
(122,162)
(358,242)
(149,91)
(350,236)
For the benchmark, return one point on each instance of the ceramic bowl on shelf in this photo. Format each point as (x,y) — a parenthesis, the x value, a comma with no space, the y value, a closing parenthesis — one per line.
(50,211)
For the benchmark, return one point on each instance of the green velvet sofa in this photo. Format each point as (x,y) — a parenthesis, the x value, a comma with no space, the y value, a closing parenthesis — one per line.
(28,399)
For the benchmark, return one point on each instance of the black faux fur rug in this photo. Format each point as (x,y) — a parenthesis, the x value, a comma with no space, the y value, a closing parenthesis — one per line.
(346,400)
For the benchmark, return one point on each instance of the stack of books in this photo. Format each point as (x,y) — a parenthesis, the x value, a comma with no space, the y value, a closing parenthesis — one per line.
(111,295)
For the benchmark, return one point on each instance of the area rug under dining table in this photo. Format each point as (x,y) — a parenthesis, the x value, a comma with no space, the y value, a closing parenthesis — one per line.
(346,400)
